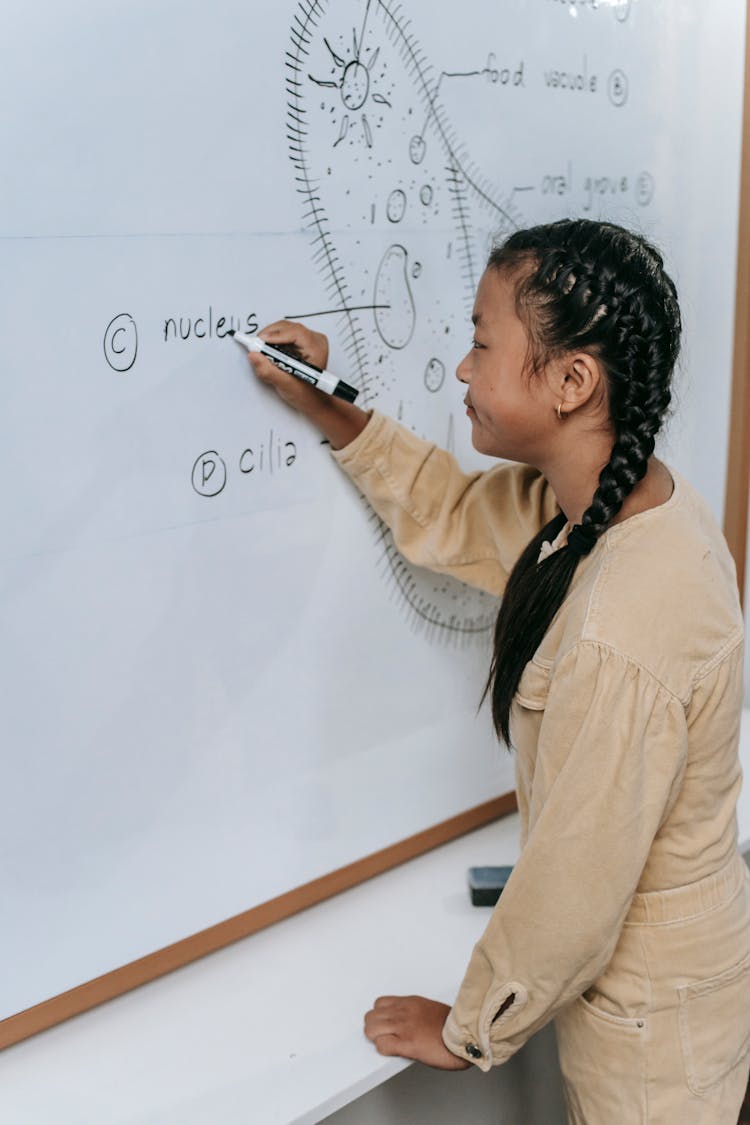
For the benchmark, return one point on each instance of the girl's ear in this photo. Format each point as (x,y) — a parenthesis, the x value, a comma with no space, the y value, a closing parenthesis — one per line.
(577,379)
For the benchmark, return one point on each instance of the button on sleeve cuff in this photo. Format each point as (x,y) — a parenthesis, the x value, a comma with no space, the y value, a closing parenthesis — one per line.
(482,1038)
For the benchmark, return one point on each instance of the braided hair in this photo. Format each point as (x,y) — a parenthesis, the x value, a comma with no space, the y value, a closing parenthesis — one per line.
(595,287)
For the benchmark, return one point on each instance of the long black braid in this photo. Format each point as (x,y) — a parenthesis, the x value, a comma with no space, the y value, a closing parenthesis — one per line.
(598,288)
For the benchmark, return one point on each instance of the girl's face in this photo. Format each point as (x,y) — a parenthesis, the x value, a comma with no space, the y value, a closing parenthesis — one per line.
(508,409)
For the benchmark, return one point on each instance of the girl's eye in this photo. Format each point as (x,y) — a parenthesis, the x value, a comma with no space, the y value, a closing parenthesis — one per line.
(475,343)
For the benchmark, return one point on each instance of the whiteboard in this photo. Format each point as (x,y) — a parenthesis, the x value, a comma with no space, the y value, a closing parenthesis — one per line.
(219,679)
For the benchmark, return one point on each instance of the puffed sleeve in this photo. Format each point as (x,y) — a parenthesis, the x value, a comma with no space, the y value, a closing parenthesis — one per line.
(470,525)
(611,756)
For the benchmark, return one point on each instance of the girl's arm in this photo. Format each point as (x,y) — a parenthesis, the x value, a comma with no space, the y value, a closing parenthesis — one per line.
(472,526)
(611,758)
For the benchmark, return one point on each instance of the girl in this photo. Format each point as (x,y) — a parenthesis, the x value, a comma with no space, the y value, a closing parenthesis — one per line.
(616,675)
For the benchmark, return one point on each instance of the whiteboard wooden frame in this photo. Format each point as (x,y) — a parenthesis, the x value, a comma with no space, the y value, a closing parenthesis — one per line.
(737,494)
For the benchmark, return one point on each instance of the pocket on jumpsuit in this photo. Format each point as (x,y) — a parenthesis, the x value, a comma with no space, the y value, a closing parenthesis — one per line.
(717,1002)
(603,1063)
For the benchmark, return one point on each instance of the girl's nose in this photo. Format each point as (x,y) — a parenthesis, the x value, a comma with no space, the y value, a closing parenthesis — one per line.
(461,371)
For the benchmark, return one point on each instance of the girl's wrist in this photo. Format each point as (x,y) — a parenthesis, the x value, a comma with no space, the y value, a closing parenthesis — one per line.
(338,421)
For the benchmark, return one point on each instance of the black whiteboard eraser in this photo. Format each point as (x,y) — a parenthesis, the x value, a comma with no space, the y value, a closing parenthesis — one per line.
(486,884)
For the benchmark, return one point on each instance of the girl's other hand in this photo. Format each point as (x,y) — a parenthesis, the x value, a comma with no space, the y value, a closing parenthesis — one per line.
(411,1027)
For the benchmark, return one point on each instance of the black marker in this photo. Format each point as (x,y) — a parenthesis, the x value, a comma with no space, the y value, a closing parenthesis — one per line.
(308,372)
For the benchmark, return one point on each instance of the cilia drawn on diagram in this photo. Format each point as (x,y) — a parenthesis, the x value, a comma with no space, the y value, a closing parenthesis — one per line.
(400,223)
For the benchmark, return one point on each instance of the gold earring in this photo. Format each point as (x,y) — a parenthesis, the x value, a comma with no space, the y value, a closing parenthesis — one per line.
(559,412)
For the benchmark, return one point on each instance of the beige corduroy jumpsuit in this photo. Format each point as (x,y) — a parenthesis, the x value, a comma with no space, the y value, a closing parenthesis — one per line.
(627,917)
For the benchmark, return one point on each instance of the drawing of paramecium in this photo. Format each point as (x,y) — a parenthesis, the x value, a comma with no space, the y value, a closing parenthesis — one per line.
(400,224)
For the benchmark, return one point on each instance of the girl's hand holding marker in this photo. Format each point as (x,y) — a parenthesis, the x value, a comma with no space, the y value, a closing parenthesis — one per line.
(289,359)
(329,404)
